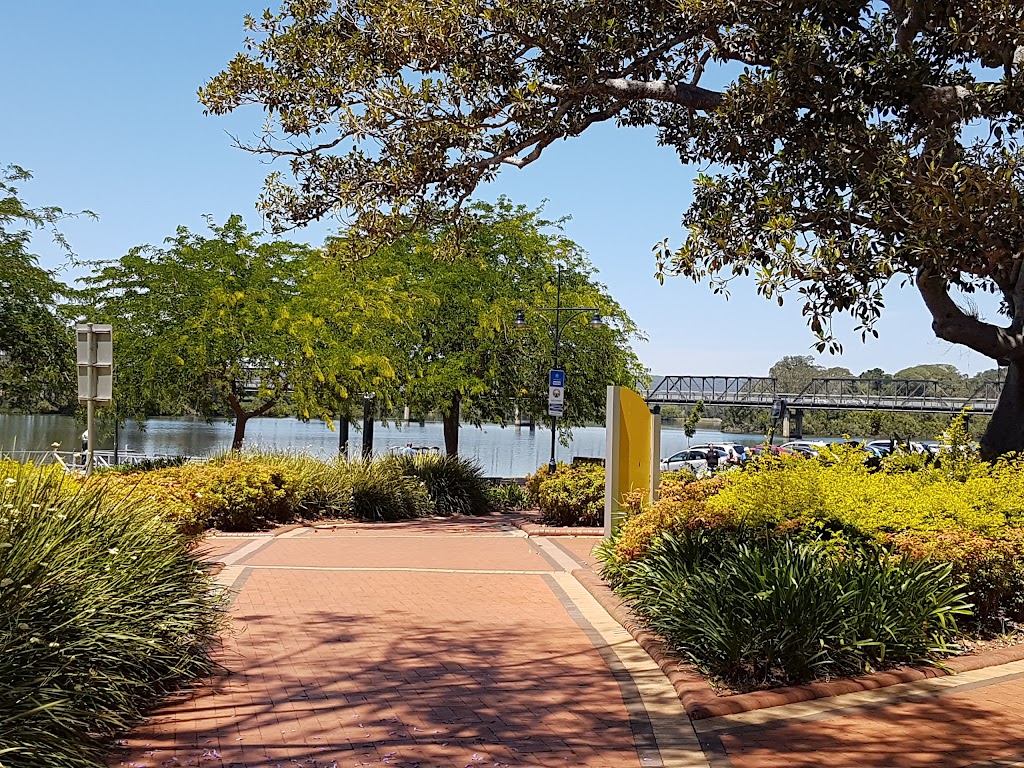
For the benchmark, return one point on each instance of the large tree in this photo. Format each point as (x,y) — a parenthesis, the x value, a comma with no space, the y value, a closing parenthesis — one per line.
(232,325)
(37,357)
(464,357)
(854,142)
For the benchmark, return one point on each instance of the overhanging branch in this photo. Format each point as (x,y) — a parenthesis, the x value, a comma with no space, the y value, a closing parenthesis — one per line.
(952,324)
(620,88)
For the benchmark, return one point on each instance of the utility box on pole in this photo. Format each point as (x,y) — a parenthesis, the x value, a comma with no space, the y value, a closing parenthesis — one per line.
(95,346)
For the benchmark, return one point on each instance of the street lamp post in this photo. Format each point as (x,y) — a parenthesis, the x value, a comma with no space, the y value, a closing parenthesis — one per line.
(556,328)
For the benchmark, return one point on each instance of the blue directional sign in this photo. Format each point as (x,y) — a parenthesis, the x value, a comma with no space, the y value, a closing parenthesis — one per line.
(556,378)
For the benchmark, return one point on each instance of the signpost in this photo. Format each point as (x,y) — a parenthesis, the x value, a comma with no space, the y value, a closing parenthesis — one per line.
(95,346)
(556,392)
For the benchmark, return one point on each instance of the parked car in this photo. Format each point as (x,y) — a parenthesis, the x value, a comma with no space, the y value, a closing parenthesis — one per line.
(805,448)
(761,450)
(691,459)
(912,445)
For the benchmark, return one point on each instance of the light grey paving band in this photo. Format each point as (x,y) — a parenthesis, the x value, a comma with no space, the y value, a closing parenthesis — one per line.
(237,585)
(536,547)
(569,553)
(639,721)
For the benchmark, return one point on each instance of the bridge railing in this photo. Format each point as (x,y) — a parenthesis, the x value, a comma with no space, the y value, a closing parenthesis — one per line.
(758,390)
(913,395)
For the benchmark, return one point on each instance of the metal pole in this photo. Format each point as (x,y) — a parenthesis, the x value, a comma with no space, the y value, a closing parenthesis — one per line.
(90,407)
(558,310)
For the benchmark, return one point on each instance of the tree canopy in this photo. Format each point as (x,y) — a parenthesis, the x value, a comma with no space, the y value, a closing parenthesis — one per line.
(37,358)
(464,358)
(852,143)
(231,325)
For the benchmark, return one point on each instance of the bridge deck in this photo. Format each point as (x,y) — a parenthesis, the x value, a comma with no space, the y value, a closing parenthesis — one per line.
(907,395)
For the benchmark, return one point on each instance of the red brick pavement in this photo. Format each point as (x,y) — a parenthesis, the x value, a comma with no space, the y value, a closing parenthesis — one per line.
(979,726)
(329,668)
(367,551)
(406,669)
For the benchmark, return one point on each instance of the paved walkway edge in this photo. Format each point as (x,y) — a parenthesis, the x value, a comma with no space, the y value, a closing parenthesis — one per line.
(700,700)
(537,529)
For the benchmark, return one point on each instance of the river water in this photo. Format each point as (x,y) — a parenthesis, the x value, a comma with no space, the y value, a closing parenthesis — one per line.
(503,452)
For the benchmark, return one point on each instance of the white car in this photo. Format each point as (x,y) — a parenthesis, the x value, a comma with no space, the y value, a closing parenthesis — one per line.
(690,459)
(887,446)
(727,452)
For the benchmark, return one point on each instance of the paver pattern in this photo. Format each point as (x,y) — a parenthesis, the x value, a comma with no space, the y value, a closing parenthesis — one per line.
(982,726)
(451,643)
(387,667)
(394,551)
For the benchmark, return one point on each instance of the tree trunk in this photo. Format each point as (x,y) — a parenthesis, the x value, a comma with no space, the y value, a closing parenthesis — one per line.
(343,434)
(368,416)
(451,426)
(1005,431)
(239,437)
(242,417)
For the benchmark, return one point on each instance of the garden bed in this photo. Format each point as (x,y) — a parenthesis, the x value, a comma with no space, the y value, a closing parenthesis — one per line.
(793,571)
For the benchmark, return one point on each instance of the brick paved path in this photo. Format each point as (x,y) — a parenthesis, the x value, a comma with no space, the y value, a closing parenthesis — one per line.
(464,643)
(437,644)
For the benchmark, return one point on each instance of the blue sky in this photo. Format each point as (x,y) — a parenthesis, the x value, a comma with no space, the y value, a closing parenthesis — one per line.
(100,105)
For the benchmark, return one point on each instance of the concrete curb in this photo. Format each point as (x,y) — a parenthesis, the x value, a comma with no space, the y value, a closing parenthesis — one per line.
(275,531)
(537,529)
(701,702)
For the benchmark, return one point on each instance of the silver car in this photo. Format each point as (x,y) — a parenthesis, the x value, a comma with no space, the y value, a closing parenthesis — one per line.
(692,460)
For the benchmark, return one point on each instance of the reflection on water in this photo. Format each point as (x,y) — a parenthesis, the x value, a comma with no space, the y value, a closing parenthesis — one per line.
(503,452)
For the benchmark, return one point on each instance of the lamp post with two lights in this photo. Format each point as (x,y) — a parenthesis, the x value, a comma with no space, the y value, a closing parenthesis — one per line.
(556,377)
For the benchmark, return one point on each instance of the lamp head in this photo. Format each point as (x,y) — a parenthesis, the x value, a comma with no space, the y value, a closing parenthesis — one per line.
(520,321)
(596,321)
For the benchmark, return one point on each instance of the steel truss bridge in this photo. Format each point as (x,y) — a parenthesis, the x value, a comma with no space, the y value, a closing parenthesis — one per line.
(904,395)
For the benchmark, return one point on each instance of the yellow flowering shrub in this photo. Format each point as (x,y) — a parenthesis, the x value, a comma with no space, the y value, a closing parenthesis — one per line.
(840,486)
(232,493)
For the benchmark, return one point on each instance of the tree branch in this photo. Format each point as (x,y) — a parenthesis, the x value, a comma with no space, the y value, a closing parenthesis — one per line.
(952,324)
(683,94)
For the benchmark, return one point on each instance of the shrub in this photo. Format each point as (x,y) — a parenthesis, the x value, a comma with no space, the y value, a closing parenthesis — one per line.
(574,495)
(992,566)
(232,493)
(773,611)
(148,464)
(102,611)
(508,496)
(533,483)
(456,485)
(320,488)
(969,495)
(246,494)
(380,491)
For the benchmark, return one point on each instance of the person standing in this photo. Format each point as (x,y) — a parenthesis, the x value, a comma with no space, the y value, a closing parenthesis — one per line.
(712,459)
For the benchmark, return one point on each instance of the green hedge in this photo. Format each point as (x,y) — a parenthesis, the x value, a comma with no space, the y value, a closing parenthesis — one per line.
(253,491)
(102,611)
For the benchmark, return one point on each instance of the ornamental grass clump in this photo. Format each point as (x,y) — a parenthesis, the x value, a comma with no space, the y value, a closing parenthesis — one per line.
(380,491)
(102,611)
(756,611)
(456,485)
